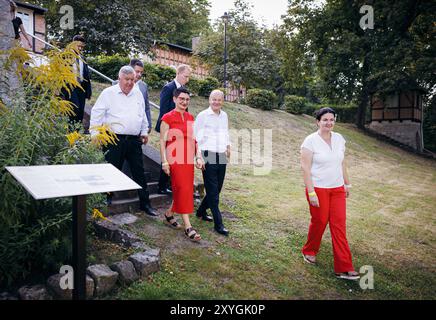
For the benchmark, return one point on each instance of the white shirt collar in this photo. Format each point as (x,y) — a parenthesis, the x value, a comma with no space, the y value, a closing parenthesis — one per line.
(118,88)
(178,85)
(209,111)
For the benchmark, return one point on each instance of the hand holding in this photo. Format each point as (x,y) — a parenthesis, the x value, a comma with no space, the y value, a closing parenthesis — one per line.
(313,200)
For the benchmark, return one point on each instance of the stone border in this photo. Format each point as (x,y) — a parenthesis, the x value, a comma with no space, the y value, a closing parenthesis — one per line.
(100,279)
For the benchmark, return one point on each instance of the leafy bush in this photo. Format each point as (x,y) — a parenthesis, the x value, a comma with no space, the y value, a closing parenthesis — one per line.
(345,113)
(194,86)
(261,99)
(207,86)
(295,104)
(35,235)
(155,76)
(108,65)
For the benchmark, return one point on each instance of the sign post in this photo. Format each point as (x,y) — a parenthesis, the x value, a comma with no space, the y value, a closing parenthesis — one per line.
(76,181)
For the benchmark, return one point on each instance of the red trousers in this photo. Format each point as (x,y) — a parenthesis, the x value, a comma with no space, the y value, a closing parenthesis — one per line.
(331,210)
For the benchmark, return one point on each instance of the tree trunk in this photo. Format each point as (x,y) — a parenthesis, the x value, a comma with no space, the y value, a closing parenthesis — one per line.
(8,78)
(361,109)
(364,96)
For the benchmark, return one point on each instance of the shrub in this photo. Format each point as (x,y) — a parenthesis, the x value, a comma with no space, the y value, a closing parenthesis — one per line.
(261,99)
(35,235)
(194,86)
(207,86)
(108,65)
(345,113)
(155,76)
(295,104)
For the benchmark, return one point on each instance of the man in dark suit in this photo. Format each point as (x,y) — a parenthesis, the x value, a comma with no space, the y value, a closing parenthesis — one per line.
(79,95)
(166,104)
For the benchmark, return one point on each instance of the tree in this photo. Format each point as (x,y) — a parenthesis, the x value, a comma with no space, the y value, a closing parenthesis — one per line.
(179,21)
(252,61)
(326,44)
(123,26)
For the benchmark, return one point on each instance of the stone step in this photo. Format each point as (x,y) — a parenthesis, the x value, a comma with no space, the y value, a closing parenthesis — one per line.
(132,204)
(119,195)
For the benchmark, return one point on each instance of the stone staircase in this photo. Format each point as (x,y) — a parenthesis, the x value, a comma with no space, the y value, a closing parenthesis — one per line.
(128,201)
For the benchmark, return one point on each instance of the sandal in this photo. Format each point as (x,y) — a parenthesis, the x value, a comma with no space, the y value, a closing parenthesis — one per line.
(309,259)
(171,222)
(349,275)
(192,234)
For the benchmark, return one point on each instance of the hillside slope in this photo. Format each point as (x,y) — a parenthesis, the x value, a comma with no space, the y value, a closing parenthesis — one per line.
(391,224)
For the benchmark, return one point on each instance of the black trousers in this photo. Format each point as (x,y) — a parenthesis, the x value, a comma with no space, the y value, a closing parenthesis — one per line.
(213,176)
(129,148)
(78,97)
(163,179)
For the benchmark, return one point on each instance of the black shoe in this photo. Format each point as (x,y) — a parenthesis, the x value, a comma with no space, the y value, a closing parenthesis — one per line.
(164,191)
(149,210)
(222,231)
(204,216)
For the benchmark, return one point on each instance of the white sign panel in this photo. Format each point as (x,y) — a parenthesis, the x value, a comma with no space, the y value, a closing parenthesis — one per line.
(56,181)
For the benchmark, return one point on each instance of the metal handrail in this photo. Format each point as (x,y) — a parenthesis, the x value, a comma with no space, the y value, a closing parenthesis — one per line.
(90,68)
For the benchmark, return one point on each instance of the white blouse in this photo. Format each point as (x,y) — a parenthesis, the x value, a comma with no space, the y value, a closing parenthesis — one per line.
(326,168)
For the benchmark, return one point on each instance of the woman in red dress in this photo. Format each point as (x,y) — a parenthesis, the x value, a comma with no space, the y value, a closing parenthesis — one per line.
(178,149)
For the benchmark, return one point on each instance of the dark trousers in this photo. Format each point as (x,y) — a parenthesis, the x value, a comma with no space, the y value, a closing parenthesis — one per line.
(129,148)
(78,97)
(163,180)
(213,176)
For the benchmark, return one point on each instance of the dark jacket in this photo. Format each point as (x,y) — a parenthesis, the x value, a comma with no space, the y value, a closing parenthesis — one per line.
(166,103)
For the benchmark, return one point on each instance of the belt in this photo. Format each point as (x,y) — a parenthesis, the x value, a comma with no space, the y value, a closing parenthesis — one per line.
(126,136)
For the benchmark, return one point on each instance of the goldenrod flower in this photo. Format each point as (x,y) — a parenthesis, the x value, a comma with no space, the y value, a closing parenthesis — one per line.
(73,137)
(97,214)
(61,106)
(104,136)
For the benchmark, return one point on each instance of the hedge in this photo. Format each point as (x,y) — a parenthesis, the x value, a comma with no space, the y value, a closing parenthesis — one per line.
(295,104)
(155,76)
(261,99)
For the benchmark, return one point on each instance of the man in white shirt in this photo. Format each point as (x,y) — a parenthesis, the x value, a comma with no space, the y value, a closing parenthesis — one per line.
(122,107)
(211,131)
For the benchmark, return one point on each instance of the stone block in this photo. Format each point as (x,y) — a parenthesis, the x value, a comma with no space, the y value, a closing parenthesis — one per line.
(53,284)
(37,292)
(7,296)
(146,262)
(104,278)
(126,272)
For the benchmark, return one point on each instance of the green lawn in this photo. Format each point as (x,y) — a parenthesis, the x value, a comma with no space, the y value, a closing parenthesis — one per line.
(390,225)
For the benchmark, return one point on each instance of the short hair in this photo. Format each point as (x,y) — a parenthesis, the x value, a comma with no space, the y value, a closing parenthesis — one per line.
(136,62)
(79,37)
(217,91)
(180,90)
(323,111)
(125,70)
(182,67)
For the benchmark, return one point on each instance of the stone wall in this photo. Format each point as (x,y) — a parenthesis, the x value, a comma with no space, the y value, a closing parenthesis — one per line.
(8,80)
(405,132)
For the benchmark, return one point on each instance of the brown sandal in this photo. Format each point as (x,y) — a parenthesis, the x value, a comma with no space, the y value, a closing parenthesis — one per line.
(172,222)
(192,234)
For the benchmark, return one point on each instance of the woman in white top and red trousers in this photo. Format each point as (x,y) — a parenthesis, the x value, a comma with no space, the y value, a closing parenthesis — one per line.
(327,186)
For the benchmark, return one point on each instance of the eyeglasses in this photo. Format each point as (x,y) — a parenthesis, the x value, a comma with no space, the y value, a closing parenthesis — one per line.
(184,99)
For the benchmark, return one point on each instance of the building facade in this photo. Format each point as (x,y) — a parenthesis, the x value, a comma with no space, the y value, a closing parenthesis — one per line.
(34,24)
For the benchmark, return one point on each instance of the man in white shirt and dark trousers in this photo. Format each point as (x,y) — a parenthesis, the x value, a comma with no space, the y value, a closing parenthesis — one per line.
(122,108)
(211,131)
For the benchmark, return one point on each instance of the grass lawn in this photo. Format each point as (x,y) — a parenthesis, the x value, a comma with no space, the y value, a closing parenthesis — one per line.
(390,225)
